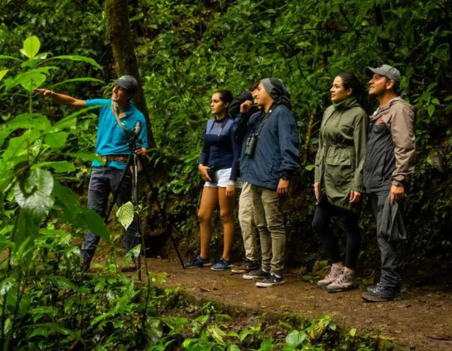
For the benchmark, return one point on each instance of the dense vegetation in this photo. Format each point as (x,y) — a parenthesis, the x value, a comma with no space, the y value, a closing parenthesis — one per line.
(186,50)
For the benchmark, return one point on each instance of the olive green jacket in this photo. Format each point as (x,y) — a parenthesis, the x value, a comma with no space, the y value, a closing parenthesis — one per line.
(340,158)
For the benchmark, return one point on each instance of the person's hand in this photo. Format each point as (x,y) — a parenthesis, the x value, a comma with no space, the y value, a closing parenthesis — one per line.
(230,190)
(317,190)
(396,193)
(203,170)
(43,92)
(355,197)
(245,107)
(141,151)
(283,187)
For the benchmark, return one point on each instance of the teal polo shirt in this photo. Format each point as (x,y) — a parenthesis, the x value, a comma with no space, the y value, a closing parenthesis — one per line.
(111,139)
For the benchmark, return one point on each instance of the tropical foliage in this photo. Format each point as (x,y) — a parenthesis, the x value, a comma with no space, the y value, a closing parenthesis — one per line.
(186,50)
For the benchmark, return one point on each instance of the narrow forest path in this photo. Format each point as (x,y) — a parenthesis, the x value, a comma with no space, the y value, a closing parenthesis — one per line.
(421,320)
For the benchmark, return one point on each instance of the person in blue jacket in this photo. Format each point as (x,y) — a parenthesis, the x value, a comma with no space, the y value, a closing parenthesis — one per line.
(113,147)
(218,167)
(269,157)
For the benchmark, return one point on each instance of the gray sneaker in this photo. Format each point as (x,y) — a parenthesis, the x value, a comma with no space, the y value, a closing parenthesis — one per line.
(258,274)
(345,281)
(334,273)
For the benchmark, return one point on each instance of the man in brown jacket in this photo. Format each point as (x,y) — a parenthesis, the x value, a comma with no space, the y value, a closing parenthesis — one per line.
(390,160)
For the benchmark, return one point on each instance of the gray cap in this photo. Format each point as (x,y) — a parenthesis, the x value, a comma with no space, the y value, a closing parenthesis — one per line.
(128,83)
(385,70)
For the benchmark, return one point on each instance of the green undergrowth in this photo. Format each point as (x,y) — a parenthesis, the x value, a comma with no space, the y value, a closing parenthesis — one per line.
(205,325)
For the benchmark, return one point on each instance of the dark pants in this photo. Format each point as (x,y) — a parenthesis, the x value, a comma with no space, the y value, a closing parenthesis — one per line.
(105,180)
(321,225)
(391,251)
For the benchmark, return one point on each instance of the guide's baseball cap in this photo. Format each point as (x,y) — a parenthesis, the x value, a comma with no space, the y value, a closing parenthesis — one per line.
(128,83)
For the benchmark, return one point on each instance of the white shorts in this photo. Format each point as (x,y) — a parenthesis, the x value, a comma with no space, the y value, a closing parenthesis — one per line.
(222,177)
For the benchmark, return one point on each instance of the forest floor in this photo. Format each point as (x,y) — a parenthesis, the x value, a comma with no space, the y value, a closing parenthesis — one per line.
(420,320)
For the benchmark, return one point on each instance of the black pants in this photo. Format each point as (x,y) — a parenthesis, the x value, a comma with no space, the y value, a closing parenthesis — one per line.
(391,251)
(321,225)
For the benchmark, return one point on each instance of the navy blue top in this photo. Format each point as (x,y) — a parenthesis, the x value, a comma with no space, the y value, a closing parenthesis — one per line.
(220,149)
(276,154)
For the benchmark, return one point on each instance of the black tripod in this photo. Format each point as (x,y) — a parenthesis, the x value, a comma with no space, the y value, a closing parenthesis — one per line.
(132,164)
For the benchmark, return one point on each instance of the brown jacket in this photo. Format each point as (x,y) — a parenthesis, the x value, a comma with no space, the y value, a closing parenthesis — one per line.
(398,116)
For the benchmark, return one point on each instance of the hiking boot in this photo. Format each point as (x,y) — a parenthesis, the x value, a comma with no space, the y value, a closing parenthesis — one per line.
(372,287)
(245,267)
(333,274)
(221,265)
(198,262)
(273,280)
(344,282)
(381,293)
(257,274)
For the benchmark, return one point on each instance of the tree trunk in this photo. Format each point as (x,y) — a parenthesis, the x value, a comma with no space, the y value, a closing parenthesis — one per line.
(119,34)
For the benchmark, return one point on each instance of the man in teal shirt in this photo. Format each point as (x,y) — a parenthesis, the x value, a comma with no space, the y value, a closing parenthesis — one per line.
(118,117)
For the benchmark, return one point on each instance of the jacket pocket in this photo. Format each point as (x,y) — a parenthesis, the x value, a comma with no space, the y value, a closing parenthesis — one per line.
(339,171)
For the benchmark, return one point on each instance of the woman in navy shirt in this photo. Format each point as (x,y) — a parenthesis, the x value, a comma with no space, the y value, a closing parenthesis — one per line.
(217,166)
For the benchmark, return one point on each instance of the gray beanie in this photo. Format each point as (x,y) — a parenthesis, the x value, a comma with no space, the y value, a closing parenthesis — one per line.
(277,90)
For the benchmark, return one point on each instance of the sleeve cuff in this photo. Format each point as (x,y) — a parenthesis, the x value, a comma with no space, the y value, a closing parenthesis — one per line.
(398,184)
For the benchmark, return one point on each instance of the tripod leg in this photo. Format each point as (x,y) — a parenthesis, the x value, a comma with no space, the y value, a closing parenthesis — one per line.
(163,214)
(135,207)
(116,194)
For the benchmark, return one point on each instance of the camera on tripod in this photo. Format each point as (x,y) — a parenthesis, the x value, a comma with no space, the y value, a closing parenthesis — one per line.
(133,135)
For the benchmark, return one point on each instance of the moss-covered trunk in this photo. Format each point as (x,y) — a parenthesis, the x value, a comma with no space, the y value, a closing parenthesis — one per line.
(119,34)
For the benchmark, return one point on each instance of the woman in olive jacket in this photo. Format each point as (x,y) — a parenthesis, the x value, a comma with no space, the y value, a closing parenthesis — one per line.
(338,177)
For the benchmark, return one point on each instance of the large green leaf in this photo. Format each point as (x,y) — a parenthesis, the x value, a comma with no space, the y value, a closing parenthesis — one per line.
(56,140)
(28,225)
(69,121)
(77,58)
(32,191)
(89,220)
(79,215)
(24,121)
(77,80)
(126,214)
(19,146)
(3,73)
(31,47)
(29,80)
(6,57)
(295,338)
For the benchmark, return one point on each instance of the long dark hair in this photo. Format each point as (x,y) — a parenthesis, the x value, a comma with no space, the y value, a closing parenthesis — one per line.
(225,96)
(350,81)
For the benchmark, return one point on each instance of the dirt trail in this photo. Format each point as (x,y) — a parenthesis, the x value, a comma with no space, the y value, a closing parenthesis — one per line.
(421,320)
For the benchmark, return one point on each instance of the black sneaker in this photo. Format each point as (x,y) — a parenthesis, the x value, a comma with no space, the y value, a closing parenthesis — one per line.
(198,262)
(257,274)
(381,293)
(273,280)
(245,267)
